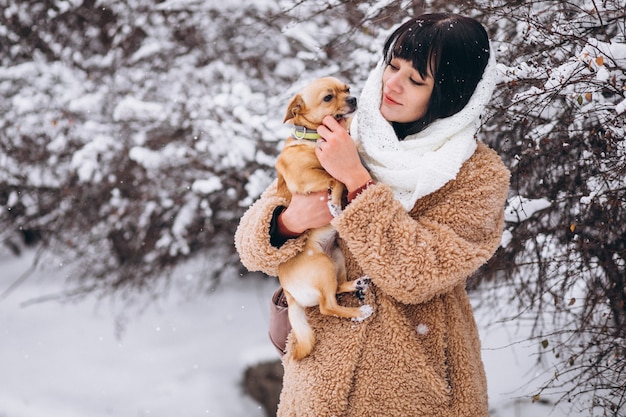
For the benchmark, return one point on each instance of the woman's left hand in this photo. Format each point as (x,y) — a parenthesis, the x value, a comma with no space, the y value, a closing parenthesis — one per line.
(338,154)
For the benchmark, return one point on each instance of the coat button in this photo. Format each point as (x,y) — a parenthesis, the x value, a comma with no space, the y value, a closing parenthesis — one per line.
(421,329)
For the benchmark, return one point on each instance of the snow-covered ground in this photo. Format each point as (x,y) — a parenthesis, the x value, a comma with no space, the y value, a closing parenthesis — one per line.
(182,356)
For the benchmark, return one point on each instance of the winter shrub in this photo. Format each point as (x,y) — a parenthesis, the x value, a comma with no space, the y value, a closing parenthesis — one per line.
(559,122)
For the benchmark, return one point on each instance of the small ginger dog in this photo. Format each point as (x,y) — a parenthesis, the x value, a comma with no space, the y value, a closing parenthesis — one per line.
(317,274)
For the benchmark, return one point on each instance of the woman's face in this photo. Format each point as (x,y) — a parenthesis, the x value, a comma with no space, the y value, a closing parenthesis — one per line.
(405,93)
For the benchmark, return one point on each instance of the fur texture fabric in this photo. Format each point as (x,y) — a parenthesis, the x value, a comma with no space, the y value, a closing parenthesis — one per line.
(419,353)
(425,161)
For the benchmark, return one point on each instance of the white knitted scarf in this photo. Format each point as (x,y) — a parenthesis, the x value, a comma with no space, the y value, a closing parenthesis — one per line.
(424,162)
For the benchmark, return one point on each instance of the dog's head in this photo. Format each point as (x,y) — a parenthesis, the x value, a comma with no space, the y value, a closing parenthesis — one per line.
(323,97)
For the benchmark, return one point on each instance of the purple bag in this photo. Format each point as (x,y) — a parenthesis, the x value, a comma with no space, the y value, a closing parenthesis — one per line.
(279,321)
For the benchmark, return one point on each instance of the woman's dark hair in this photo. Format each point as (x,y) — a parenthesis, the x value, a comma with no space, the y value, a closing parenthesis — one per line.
(453,49)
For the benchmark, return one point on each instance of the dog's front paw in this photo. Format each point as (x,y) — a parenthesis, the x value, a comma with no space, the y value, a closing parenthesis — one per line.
(361,286)
(366,311)
(335,209)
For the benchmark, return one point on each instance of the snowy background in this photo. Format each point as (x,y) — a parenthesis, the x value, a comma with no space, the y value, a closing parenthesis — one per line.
(134,134)
(181,356)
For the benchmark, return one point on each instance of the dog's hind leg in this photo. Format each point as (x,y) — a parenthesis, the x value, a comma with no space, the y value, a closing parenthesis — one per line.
(358,286)
(330,307)
(301,330)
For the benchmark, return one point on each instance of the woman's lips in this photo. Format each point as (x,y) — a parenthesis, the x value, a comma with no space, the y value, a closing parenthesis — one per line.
(389,100)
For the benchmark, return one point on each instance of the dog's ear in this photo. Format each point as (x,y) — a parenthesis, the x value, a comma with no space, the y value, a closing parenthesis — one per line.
(295,107)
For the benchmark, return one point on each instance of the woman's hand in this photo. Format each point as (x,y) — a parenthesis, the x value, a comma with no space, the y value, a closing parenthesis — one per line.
(338,154)
(306,211)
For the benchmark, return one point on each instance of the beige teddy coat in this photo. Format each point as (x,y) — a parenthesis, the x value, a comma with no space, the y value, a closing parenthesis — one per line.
(419,353)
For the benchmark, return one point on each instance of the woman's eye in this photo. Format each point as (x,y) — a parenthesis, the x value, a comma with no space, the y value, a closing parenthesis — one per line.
(328,98)
(393,67)
(415,82)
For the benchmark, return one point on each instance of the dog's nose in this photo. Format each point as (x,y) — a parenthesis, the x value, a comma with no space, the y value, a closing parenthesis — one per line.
(351,101)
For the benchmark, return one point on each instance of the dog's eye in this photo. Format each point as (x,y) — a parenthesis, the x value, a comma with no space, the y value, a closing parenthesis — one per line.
(328,98)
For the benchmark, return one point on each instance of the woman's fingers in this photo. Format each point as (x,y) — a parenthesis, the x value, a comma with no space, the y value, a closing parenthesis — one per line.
(307,211)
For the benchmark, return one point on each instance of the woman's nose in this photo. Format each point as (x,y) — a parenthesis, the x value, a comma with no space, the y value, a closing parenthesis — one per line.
(393,83)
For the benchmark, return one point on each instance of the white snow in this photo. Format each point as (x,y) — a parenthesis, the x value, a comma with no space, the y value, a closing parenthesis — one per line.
(521,208)
(621,107)
(89,103)
(131,108)
(207,186)
(86,161)
(180,356)
(145,157)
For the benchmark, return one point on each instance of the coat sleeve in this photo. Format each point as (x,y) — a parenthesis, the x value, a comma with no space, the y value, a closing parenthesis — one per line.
(449,234)
(252,237)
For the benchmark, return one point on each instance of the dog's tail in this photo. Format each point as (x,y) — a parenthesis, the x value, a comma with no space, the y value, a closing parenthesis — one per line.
(301,331)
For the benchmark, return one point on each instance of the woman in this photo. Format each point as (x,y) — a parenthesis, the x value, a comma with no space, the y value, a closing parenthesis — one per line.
(425,210)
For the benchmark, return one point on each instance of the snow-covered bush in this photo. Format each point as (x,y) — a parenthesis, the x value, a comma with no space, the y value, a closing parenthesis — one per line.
(135,134)
(130,130)
(559,122)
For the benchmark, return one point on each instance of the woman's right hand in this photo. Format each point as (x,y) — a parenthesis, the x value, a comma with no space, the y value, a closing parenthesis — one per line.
(306,211)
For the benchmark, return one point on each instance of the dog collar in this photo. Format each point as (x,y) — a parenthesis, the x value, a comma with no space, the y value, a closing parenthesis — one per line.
(301,132)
